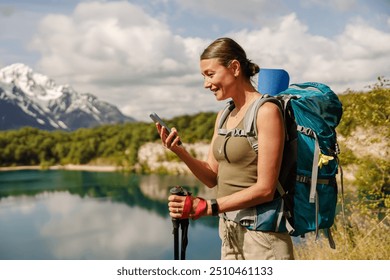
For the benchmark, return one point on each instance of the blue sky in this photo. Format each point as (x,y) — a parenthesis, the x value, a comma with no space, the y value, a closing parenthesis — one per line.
(143,56)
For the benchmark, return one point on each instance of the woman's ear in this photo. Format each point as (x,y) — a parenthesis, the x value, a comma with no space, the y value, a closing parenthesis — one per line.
(235,67)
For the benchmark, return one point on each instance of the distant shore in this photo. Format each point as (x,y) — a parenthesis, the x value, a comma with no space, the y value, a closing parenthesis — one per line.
(152,155)
(94,168)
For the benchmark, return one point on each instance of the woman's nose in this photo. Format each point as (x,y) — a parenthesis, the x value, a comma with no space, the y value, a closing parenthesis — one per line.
(206,83)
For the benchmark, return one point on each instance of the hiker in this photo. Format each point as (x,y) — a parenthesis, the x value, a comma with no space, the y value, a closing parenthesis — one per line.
(243,178)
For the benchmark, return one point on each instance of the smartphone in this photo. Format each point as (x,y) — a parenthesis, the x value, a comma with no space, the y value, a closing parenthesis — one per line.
(156,118)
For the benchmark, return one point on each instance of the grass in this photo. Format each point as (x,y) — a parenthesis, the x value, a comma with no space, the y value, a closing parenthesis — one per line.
(358,236)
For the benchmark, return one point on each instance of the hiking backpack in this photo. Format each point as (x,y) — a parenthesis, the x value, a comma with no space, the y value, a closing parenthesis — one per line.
(307,190)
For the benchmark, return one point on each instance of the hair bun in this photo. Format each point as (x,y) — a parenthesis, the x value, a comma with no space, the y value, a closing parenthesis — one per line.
(253,68)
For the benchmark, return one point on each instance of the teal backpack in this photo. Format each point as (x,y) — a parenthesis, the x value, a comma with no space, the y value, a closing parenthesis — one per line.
(307,191)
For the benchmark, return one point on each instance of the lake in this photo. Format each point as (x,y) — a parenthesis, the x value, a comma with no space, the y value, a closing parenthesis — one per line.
(77,215)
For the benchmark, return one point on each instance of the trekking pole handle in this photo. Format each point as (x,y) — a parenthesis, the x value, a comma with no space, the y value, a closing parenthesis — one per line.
(177,190)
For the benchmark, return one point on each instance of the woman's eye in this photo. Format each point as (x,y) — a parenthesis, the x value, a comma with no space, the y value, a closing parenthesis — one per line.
(208,76)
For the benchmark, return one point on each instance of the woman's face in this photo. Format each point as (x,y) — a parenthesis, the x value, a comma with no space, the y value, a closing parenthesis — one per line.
(218,78)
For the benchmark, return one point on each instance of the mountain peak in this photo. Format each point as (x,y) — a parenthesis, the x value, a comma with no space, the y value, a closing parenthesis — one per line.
(17,67)
(63,107)
(31,83)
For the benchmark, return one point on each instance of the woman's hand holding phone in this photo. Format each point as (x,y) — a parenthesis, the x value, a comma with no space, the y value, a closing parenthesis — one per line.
(170,136)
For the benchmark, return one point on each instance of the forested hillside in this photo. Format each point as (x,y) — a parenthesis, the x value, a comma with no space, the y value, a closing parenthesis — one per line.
(364,134)
(111,144)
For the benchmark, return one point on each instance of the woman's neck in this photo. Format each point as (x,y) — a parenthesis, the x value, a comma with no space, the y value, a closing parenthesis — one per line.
(242,99)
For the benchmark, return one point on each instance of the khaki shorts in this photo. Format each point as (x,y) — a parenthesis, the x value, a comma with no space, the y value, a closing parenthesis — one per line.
(239,243)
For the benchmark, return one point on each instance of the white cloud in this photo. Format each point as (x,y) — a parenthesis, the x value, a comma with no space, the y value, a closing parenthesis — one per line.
(115,38)
(351,60)
(117,51)
(120,53)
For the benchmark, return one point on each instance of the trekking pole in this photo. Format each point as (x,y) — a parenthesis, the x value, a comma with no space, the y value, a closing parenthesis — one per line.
(184,237)
(177,223)
(175,232)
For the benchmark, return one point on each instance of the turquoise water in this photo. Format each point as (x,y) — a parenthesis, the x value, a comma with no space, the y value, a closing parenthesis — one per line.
(79,215)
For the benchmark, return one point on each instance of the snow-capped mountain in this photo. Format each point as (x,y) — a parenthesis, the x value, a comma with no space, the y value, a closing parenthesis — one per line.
(32,99)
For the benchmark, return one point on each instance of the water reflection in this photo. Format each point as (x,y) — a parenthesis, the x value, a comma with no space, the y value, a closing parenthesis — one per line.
(88,215)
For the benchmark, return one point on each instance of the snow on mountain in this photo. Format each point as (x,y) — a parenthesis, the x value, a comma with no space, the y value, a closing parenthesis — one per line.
(32,99)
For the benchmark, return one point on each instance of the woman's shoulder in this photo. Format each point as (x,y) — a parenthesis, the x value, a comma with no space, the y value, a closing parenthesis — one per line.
(269,106)
(269,111)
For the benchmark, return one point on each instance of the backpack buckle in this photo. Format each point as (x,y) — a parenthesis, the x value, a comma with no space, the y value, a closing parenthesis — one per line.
(303,179)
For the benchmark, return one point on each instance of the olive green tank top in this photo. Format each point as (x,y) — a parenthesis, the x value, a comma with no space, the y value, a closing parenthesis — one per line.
(237,163)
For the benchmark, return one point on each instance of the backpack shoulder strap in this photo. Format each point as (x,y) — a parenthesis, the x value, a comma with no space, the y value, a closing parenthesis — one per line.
(250,125)
(225,113)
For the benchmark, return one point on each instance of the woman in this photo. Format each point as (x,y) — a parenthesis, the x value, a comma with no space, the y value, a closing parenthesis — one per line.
(243,178)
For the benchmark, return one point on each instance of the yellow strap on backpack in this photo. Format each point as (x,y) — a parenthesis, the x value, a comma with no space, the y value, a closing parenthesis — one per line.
(324,160)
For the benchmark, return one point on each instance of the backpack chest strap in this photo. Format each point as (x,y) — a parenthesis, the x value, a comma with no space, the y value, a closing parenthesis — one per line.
(236,132)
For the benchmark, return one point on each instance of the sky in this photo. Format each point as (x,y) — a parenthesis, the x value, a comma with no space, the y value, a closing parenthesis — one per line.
(143,56)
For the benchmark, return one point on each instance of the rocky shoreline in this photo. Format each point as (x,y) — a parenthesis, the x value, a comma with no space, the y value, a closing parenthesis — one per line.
(81,167)
(152,156)
(157,158)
